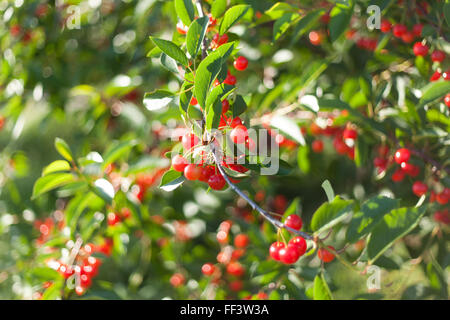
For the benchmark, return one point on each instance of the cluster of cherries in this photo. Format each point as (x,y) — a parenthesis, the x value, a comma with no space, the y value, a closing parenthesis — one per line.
(45,228)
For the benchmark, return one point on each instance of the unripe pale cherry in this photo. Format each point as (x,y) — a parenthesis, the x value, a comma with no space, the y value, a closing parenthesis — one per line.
(315,38)
(325,255)
(179,163)
(419,188)
(240,63)
(189,141)
(294,221)
(402,155)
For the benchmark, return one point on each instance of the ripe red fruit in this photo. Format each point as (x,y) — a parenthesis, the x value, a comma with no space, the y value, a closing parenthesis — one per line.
(315,38)
(113,219)
(230,79)
(398,175)
(208,269)
(240,63)
(446,75)
(419,188)
(181,28)
(241,241)
(402,155)
(235,269)
(410,169)
(436,75)
(417,29)
(216,182)
(79,290)
(219,40)
(317,146)
(236,285)
(189,141)
(289,254)
(192,172)
(340,145)
(350,134)
(225,106)
(239,134)
(325,255)
(325,18)
(177,280)
(385,26)
(399,30)
(408,37)
(294,221)
(420,49)
(443,197)
(380,162)
(442,216)
(438,56)
(447,100)
(300,244)
(206,172)
(274,250)
(179,163)
(194,101)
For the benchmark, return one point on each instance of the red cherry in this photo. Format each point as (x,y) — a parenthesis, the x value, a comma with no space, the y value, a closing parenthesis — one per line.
(410,169)
(383,151)
(230,79)
(79,290)
(239,134)
(385,26)
(235,269)
(446,75)
(189,141)
(216,182)
(179,163)
(177,280)
(340,145)
(208,269)
(398,175)
(294,221)
(402,155)
(225,106)
(194,101)
(113,219)
(206,172)
(447,100)
(192,172)
(443,197)
(236,285)
(350,134)
(442,216)
(274,250)
(325,18)
(436,75)
(289,254)
(325,255)
(419,188)
(315,38)
(241,241)
(317,146)
(399,30)
(240,63)
(219,40)
(438,56)
(417,29)
(420,49)
(85,281)
(300,244)
(380,162)
(181,28)
(408,37)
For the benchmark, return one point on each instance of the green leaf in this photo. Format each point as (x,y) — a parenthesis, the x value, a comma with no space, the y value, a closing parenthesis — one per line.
(157,99)
(50,182)
(393,226)
(306,23)
(340,19)
(219,93)
(232,16)
(447,12)
(326,185)
(63,149)
(56,166)
(218,7)
(239,106)
(303,159)
(171,180)
(282,24)
(213,115)
(104,189)
(208,70)
(433,91)
(172,50)
(330,213)
(321,290)
(372,211)
(115,151)
(147,163)
(169,63)
(195,35)
(46,273)
(289,127)
(185,97)
(53,292)
(185,11)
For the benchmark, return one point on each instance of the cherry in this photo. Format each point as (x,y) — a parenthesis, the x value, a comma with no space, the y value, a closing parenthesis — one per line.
(447,100)
(216,182)
(222,236)
(219,40)
(340,145)
(230,79)
(420,49)
(325,18)
(236,285)
(442,216)
(206,172)
(189,140)
(443,197)
(380,162)
(177,280)
(79,290)
(385,26)
(325,255)
(113,219)
(181,28)
(299,243)
(417,29)
(225,106)
(436,75)
(410,169)
(179,163)
(241,241)
(408,37)
(239,134)
(274,250)
(66,271)
(419,188)
(315,38)
(399,30)
(240,63)
(235,269)
(194,101)
(402,155)
(289,254)
(192,172)
(438,56)
(85,281)
(294,221)
(208,269)
(350,134)
(446,75)
(317,146)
